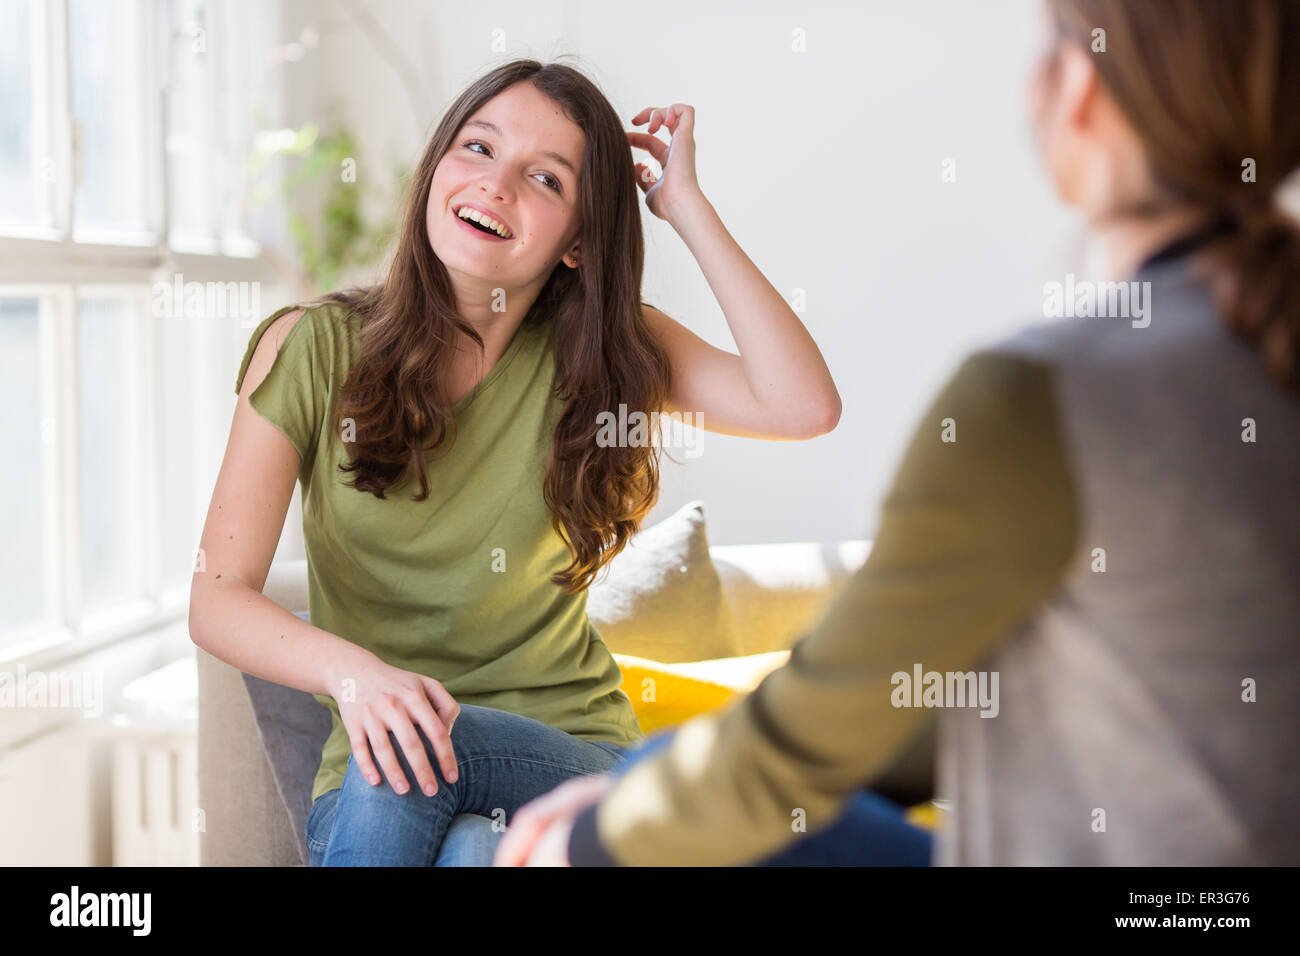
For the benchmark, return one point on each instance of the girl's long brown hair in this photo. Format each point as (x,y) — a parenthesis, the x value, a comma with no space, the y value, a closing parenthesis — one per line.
(605,354)
(1208,85)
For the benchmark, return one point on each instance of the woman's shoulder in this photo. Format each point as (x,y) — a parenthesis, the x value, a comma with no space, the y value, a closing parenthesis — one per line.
(309,334)
(328,317)
(1163,311)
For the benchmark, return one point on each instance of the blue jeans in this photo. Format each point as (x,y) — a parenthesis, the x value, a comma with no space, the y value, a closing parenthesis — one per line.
(870,832)
(504,761)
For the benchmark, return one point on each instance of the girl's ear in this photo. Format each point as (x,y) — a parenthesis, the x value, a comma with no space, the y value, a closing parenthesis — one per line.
(573,258)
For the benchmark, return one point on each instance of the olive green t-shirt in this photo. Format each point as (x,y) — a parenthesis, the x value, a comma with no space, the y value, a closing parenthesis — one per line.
(456,587)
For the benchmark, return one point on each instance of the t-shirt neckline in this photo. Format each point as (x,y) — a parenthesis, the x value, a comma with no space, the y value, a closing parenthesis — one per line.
(494,373)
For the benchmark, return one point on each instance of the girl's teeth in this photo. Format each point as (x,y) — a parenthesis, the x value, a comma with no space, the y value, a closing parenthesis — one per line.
(476,216)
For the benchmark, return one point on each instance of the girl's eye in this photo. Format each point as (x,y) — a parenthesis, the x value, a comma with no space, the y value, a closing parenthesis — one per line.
(553,180)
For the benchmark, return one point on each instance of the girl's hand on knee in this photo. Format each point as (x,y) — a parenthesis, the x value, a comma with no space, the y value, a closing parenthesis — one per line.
(382,698)
(676,158)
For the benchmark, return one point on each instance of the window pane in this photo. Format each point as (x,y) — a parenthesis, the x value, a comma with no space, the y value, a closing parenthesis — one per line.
(22,559)
(107,103)
(17,184)
(181,525)
(109,440)
(192,117)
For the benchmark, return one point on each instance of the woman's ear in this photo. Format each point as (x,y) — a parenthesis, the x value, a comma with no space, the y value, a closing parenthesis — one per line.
(1111,167)
(573,258)
(1078,89)
(1068,112)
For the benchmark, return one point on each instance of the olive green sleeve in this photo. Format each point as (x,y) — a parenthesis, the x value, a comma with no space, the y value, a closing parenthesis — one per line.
(292,395)
(974,535)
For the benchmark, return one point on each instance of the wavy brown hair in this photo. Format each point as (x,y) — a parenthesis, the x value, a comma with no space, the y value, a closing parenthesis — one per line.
(605,354)
(1207,85)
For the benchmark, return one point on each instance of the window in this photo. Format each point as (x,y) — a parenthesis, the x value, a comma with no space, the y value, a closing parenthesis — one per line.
(19,159)
(110,118)
(110,412)
(124,128)
(22,567)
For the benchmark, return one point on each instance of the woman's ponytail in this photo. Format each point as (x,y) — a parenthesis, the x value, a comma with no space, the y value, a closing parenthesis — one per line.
(1255,274)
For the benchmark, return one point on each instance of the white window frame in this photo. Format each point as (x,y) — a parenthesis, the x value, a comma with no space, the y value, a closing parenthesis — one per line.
(57,266)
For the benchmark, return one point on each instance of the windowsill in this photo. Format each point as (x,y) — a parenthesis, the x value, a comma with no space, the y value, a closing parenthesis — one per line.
(231,245)
(238,246)
(104,629)
(114,236)
(194,245)
(34,231)
(49,258)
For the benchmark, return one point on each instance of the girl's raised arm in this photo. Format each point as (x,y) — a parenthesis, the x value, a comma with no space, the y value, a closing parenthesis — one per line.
(778,386)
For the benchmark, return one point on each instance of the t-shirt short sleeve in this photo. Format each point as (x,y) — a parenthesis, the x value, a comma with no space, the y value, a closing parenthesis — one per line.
(292,396)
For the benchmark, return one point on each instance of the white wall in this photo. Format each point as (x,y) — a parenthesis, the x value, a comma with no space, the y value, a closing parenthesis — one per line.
(914,274)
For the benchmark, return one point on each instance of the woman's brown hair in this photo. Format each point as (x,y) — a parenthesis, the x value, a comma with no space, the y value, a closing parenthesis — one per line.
(605,354)
(1210,87)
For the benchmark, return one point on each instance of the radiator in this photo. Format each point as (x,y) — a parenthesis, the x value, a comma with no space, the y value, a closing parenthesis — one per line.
(156,815)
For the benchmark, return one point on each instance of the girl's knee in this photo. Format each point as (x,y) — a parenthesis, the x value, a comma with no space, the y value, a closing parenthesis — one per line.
(471,840)
(357,789)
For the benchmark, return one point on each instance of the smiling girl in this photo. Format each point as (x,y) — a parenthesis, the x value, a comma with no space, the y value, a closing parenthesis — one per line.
(456,502)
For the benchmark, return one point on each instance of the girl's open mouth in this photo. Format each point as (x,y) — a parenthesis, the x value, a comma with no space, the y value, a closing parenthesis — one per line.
(481,231)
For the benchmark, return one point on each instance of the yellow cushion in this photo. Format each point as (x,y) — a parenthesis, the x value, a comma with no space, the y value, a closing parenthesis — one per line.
(665,695)
(928,816)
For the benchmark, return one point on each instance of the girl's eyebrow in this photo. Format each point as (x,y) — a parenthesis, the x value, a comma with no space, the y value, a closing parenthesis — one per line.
(546,152)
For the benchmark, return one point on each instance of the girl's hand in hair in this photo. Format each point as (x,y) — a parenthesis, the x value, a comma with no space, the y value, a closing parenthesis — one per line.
(677,185)
(386,698)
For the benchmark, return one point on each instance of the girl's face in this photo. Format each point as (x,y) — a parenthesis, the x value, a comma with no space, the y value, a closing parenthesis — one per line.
(517,159)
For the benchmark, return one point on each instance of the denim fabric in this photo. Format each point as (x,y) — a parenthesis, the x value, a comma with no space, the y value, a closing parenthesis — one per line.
(471,839)
(504,760)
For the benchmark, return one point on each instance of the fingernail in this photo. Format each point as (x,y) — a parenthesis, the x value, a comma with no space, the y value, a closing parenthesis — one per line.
(430,789)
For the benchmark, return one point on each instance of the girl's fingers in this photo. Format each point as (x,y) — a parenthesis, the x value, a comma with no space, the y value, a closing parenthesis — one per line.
(439,738)
(444,704)
(361,754)
(657,117)
(403,730)
(683,118)
(653,145)
(383,751)
(679,114)
(437,720)
(653,114)
(644,177)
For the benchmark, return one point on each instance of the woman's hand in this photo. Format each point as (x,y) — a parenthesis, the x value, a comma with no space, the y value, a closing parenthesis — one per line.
(538,834)
(383,698)
(676,158)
